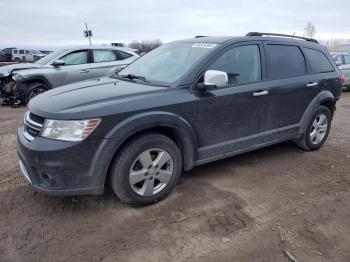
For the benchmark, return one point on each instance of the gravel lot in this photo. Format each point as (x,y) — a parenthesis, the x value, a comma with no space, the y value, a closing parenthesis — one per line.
(253,207)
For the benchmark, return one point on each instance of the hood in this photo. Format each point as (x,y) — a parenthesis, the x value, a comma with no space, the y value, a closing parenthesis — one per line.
(93,98)
(8,70)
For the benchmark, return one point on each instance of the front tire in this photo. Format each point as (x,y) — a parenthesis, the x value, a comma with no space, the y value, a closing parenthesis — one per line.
(33,91)
(146,169)
(317,131)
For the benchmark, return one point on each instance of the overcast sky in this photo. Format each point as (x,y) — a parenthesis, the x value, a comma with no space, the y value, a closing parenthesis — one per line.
(61,22)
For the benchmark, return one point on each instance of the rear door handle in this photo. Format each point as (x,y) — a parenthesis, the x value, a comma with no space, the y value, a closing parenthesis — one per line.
(84,71)
(312,84)
(261,93)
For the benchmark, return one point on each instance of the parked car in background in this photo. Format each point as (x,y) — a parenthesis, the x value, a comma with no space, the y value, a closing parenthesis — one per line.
(26,55)
(8,53)
(21,82)
(342,60)
(181,105)
(3,57)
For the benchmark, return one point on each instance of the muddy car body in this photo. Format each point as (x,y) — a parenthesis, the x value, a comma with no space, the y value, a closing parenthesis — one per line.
(182,105)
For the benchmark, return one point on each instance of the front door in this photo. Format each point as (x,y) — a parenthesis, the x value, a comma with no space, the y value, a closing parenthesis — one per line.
(76,68)
(235,117)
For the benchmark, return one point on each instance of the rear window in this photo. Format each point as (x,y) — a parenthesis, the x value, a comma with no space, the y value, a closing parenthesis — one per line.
(285,61)
(318,61)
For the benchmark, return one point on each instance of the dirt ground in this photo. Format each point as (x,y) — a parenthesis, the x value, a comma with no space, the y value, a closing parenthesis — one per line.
(253,207)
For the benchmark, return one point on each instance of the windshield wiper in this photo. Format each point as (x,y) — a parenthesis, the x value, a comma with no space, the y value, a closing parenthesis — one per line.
(132,76)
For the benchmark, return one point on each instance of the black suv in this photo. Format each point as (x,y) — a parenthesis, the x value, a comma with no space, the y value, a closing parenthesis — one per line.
(184,104)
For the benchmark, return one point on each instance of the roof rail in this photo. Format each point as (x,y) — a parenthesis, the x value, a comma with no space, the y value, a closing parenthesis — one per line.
(282,35)
(199,36)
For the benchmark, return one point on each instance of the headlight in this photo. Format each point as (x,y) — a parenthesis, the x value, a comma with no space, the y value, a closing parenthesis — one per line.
(72,130)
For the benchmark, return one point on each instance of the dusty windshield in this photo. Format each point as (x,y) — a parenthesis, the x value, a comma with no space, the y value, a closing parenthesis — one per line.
(168,63)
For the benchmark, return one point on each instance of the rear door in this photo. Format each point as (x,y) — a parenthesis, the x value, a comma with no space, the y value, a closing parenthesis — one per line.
(106,61)
(291,88)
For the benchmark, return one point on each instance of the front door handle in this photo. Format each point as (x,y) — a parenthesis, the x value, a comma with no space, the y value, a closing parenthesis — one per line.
(84,71)
(261,93)
(312,84)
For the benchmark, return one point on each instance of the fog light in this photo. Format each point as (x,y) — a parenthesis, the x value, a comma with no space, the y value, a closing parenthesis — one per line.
(47,180)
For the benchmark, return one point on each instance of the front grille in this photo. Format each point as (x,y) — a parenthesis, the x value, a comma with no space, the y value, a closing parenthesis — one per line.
(32,126)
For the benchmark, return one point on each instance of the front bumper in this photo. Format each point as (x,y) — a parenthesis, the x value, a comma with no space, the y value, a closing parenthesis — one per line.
(62,168)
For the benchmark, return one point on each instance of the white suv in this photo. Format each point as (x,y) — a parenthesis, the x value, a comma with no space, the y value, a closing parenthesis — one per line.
(26,55)
(342,60)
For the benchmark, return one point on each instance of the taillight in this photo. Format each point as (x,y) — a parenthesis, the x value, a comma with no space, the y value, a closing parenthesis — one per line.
(342,79)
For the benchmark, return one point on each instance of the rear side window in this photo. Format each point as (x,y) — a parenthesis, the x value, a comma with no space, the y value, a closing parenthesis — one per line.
(347,59)
(21,52)
(318,61)
(285,61)
(104,56)
(123,55)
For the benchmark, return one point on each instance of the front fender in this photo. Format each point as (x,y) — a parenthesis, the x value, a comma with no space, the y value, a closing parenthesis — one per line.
(142,122)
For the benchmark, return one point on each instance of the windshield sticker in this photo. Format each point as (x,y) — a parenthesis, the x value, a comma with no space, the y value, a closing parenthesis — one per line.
(204,45)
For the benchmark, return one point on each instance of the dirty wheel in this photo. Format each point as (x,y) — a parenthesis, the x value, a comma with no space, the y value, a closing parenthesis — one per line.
(146,169)
(317,131)
(33,91)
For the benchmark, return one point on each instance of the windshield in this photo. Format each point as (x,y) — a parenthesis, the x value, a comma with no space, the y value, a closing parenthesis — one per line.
(168,63)
(46,59)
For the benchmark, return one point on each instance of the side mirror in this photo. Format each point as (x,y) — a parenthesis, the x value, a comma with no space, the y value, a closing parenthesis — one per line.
(58,62)
(338,63)
(214,79)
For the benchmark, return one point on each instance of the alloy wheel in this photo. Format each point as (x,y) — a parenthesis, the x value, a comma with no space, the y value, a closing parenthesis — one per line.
(151,172)
(35,92)
(319,129)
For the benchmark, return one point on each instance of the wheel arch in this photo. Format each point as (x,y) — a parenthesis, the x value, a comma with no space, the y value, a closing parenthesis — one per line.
(171,125)
(325,98)
(30,84)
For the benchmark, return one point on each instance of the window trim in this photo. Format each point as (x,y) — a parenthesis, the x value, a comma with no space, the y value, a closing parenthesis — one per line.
(230,47)
(76,51)
(309,65)
(269,78)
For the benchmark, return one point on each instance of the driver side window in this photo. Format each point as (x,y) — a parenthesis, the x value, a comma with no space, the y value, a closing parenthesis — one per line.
(242,64)
(76,58)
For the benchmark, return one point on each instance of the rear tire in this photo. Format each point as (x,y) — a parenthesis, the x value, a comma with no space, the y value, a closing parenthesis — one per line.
(317,131)
(146,169)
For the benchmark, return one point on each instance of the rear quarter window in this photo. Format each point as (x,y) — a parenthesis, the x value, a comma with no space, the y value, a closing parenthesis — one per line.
(285,61)
(318,62)
(123,55)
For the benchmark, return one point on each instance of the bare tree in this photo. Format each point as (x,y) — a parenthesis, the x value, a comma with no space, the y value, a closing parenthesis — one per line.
(145,45)
(309,30)
(333,45)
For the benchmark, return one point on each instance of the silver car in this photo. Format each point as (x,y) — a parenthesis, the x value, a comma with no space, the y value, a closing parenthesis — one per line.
(21,82)
(342,60)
